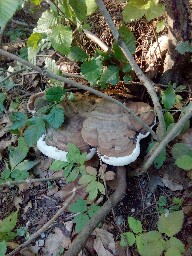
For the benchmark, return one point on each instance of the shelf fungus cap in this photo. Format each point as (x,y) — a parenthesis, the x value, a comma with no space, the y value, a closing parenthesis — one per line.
(116,134)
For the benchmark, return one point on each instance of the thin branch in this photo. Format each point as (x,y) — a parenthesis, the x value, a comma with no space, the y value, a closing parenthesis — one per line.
(96,40)
(29,181)
(12,74)
(158,147)
(46,226)
(143,79)
(119,193)
(46,73)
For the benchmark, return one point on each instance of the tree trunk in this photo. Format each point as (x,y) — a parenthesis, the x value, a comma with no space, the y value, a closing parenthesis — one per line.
(179,29)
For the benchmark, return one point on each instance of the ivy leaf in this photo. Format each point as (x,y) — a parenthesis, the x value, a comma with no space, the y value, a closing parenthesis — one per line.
(19,174)
(135,225)
(7,9)
(110,76)
(34,131)
(127,238)
(168,97)
(3,248)
(57,165)
(180,149)
(55,118)
(92,69)
(9,223)
(34,40)
(184,47)
(61,38)
(17,154)
(184,162)
(18,119)
(79,206)
(55,94)
(2,98)
(80,9)
(80,221)
(77,54)
(171,224)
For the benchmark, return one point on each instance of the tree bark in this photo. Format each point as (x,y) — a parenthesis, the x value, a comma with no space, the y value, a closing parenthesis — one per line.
(179,29)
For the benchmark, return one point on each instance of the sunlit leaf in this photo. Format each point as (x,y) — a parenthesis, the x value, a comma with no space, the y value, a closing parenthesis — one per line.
(33,40)
(7,9)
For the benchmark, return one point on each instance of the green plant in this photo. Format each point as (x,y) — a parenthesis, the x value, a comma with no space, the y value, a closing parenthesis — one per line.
(182,155)
(164,206)
(154,243)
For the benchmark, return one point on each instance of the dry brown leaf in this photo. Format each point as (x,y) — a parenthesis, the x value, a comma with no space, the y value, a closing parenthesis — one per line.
(109,175)
(17,201)
(55,242)
(170,184)
(91,170)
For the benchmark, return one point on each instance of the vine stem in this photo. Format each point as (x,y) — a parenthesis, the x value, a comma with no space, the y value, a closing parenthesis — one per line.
(142,77)
(46,73)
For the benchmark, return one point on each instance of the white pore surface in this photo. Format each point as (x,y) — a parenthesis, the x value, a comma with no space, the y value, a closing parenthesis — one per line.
(125,160)
(56,153)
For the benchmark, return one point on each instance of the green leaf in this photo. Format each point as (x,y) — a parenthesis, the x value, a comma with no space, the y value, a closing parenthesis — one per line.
(160,26)
(175,243)
(46,22)
(36,2)
(3,248)
(7,10)
(34,131)
(19,174)
(162,202)
(34,40)
(79,206)
(168,118)
(55,118)
(19,120)
(86,179)
(9,223)
(91,6)
(61,38)
(26,165)
(92,69)
(2,98)
(155,10)
(5,174)
(184,47)
(17,154)
(180,149)
(80,221)
(73,175)
(92,189)
(7,236)
(74,154)
(173,252)
(50,65)
(135,225)
(127,239)
(160,159)
(93,209)
(101,187)
(150,243)
(80,9)
(168,97)
(171,224)
(110,76)
(57,165)
(77,54)
(135,9)
(55,94)
(184,162)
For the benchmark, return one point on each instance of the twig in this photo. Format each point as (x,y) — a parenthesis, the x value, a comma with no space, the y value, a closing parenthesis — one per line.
(143,79)
(158,147)
(119,193)
(97,40)
(45,72)
(12,74)
(29,181)
(46,226)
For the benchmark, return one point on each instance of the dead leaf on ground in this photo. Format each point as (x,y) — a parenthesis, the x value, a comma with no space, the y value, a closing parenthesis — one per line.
(170,184)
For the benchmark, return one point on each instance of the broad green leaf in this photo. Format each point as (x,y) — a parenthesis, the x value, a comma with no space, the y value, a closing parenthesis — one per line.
(3,248)
(55,118)
(135,225)
(50,65)
(57,165)
(7,10)
(162,202)
(17,154)
(92,189)
(101,187)
(79,206)
(168,119)
(77,54)
(7,236)
(46,22)
(180,149)
(80,9)
(86,179)
(184,162)
(184,47)
(110,76)
(173,242)
(91,6)
(73,174)
(80,221)
(92,69)
(93,208)
(127,239)
(26,165)
(74,154)
(171,224)
(2,99)
(19,120)
(55,94)
(61,38)
(155,10)
(168,97)
(135,9)
(19,174)
(68,169)
(160,26)
(33,40)
(5,174)
(34,131)
(9,223)
(150,243)
(172,251)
